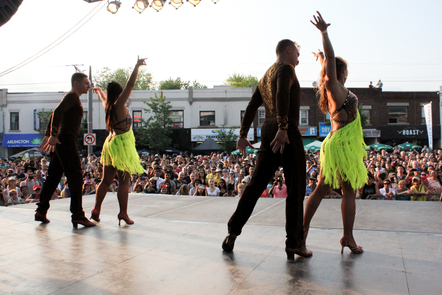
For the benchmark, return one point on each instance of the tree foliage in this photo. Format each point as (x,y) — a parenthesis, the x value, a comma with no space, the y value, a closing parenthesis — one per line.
(158,127)
(227,138)
(43,117)
(106,75)
(241,81)
(179,84)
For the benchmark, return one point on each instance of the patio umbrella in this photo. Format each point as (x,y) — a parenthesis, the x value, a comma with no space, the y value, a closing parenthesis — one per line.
(379,146)
(248,151)
(408,146)
(173,150)
(314,146)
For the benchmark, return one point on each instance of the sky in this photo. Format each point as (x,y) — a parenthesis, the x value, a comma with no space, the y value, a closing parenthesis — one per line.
(396,40)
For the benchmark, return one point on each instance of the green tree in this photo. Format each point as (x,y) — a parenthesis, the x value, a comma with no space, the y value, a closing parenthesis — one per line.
(106,75)
(227,138)
(241,81)
(170,84)
(43,117)
(158,127)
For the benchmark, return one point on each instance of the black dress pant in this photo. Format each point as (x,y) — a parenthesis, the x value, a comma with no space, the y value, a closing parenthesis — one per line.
(65,159)
(293,162)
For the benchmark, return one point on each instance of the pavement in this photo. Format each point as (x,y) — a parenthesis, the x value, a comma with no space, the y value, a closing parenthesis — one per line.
(174,247)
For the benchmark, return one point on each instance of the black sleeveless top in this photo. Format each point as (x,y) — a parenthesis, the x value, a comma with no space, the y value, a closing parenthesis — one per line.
(123,125)
(350,106)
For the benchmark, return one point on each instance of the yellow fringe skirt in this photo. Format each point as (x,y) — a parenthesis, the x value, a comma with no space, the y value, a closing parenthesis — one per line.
(119,152)
(342,156)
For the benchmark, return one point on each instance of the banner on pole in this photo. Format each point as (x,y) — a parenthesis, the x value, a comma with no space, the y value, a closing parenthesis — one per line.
(429,122)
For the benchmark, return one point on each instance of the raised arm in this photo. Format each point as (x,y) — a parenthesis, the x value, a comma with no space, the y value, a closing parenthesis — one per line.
(101,95)
(124,96)
(330,62)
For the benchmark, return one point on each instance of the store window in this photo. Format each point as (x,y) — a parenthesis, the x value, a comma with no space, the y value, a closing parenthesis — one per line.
(397,114)
(177,119)
(303,117)
(14,121)
(207,118)
(136,116)
(261,116)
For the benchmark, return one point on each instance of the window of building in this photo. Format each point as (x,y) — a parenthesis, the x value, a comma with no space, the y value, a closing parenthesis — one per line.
(423,114)
(303,117)
(261,116)
(14,120)
(207,118)
(366,114)
(84,120)
(178,119)
(397,114)
(136,119)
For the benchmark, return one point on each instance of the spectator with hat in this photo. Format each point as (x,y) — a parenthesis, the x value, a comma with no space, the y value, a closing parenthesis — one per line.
(11,183)
(35,196)
(218,176)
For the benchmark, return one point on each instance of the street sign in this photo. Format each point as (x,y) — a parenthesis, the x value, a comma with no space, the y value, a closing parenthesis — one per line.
(89,139)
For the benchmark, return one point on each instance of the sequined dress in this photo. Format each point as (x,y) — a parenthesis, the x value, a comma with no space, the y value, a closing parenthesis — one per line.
(343,151)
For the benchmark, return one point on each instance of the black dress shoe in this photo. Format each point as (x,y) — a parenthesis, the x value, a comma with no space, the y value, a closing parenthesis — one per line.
(83,221)
(41,217)
(229,243)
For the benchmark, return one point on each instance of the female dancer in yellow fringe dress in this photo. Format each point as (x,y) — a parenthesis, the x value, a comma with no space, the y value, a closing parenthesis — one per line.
(342,151)
(119,155)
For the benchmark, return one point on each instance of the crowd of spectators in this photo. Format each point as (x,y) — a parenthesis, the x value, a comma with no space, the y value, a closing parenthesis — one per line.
(398,175)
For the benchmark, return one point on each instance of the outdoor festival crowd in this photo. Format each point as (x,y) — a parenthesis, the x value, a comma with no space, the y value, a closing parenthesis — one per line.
(400,175)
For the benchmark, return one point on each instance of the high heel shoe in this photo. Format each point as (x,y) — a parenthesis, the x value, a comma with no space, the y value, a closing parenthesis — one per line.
(125,218)
(354,250)
(301,251)
(41,217)
(83,221)
(229,243)
(95,215)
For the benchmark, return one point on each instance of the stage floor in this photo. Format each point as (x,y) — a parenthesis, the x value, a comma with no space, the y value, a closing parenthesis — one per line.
(174,247)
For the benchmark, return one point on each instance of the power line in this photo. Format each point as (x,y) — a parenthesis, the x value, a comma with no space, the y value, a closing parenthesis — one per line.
(52,46)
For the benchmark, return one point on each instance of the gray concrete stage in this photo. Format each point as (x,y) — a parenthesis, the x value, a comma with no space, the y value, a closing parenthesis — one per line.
(174,247)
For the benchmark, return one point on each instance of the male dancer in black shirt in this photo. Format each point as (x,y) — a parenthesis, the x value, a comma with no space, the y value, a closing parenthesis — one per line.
(281,144)
(61,141)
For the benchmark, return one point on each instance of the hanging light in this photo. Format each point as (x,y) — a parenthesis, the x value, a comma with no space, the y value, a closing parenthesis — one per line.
(215,1)
(176,3)
(194,2)
(157,4)
(140,5)
(113,6)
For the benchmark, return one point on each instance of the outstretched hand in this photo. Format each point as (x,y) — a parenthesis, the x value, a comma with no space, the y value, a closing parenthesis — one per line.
(319,55)
(278,143)
(242,144)
(320,23)
(141,61)
(48,144)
